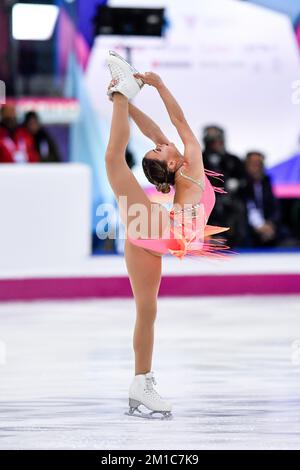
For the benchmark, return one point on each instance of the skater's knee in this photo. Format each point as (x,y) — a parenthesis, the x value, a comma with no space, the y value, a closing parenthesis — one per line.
(146,311)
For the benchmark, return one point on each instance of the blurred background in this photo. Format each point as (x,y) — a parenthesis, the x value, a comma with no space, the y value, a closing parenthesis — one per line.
(233,65)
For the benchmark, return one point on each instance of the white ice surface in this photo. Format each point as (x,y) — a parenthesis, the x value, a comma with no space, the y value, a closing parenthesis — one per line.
(227,365)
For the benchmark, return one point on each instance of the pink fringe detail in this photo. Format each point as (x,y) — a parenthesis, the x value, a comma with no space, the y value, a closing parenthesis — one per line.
(219,190)
(213,229)
(209,248)
(217,176)
(212,173)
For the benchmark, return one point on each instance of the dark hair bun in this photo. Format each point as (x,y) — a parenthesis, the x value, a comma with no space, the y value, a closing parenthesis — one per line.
(164,188)
(157,173)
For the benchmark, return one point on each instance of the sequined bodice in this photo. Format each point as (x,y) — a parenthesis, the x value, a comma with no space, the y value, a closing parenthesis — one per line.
(191,208)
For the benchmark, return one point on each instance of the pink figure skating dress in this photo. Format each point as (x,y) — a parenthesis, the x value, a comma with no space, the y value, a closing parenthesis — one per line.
(188,233)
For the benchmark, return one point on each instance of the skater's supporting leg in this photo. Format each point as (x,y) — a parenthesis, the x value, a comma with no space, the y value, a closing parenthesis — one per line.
(144,271)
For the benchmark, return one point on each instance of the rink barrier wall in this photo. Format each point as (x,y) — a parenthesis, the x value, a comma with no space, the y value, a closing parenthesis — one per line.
(171,286)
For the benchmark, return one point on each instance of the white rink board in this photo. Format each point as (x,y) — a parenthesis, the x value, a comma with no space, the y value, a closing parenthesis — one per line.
(44,214)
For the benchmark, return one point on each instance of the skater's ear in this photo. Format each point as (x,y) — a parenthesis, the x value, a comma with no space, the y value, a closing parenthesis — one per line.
(172,164)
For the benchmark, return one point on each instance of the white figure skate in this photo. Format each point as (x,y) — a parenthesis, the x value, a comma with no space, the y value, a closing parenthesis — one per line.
(142,392)
(122,72)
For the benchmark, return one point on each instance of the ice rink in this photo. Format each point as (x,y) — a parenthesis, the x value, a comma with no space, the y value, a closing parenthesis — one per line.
(229,365)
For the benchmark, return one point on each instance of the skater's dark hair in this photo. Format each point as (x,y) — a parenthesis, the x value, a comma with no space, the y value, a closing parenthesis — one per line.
(157,173)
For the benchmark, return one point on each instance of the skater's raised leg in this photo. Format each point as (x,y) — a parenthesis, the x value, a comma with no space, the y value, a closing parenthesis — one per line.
(122,180)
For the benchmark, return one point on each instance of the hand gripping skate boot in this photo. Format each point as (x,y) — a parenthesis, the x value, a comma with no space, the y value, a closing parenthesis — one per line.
(122,72)
(142,392)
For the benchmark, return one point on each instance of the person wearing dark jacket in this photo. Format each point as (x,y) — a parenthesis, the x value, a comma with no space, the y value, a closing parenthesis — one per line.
(44,143)
(229,208)
(262,208)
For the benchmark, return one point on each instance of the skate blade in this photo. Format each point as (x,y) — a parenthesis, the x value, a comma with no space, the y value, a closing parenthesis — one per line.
(151,415)
(115,54)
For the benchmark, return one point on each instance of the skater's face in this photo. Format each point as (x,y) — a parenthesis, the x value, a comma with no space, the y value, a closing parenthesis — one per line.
(167,153)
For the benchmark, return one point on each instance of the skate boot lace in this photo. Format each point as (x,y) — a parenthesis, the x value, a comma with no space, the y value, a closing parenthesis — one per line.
(119,75)
(149,390)
(116,72)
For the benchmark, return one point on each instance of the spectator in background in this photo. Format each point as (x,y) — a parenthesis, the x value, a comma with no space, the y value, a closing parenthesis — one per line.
(229,208)
(8,122)
(262,207)
(15,147)
(44,144)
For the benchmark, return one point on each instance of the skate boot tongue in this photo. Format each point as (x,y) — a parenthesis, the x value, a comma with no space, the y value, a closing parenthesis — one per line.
(150,380)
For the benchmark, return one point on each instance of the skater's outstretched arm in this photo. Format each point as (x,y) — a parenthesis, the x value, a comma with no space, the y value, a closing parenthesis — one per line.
(192,149)
(147,126)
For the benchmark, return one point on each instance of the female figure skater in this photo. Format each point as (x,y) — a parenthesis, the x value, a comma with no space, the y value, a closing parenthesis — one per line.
(175,233)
